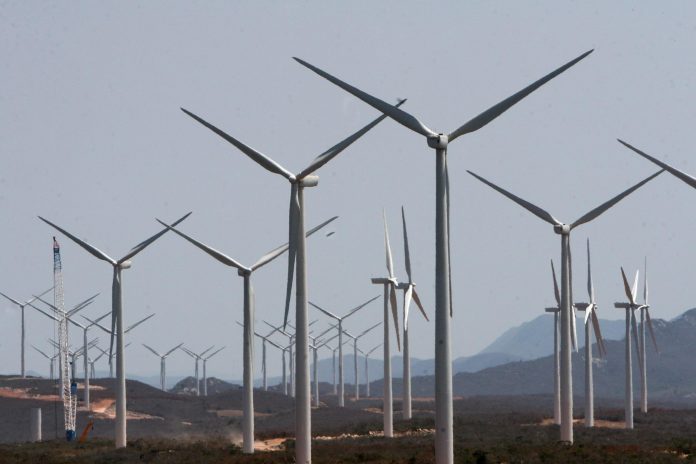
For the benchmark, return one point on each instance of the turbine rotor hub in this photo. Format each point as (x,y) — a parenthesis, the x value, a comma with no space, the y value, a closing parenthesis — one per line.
(438,141)
(561,229)
(244,272)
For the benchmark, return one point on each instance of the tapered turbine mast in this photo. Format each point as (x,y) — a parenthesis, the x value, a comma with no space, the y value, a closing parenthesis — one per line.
(591,325)
(22,366)
(341,389)
(410,293)
(389,284)
(248,326)
(116,317)
(556,310)
(566,290)
(296,262)
(444,444)
(163,366)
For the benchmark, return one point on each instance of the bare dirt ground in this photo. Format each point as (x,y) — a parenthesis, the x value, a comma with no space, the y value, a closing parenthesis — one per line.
(169,428)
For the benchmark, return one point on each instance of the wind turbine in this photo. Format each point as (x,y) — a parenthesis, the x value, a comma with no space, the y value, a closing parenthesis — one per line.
(590,318)
(645,318)
(355,356)
(630,308)
(341,390)
(116,317)
(566,290)
(367,370)
(205,375)
(197,357)
(263,361)
(296,262)
(163,367)
(248,327)
(291,357)
(389,284)
(92,362)
(23,338)
(264,340)
(51,360)
(410,293)
(444,442)
(110,357)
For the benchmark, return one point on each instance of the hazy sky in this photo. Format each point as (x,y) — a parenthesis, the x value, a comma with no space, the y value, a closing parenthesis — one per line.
(92,138)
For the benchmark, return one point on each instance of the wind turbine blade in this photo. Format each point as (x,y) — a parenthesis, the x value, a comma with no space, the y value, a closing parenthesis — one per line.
(407,304)
(407,255)
(142,245)
(138,323)
(634,329)
(590,285)
(556,293)
(223,258)
(540,213)
(45,355)
(574,329)
(387,247)
(293,222)
(97,253)
(627,288)
(82,305)
(634,289)
(395,314)
(214,353)
(332,152)
(493,112)
(365,332)
(606,205)
(99,318)
(645,283)
(588,311)
(257,156)
(44,312)
(273,254)
(418,303)
(393,112)
(41,294)
(674,171)
(598,333)
(115,304)
(652,331)
(208,349)
(358,308)
(328,313)
(11,299)
(96,324)
(153,351)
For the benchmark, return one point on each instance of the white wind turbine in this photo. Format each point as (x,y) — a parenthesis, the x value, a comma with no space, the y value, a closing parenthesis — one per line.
(630,308)
(116,317)
(590,318)
(645,318)
(92,362)
(163,367)
(444,444)
(355,339)
(51,360)
(205,375)
(23,337)
(248,326)
(291,357)
(127,330)
(264,365)
(389,284)
(409,294)
(566,289)
(296,262)
(341,389)
(367,370)
(197,357)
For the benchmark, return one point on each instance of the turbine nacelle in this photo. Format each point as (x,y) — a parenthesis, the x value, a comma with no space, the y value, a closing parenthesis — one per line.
(243,272)
(311,180)
(125,264)
(561,229)
(439,141)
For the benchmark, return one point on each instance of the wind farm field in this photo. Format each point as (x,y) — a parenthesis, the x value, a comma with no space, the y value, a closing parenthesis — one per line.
(170,428)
